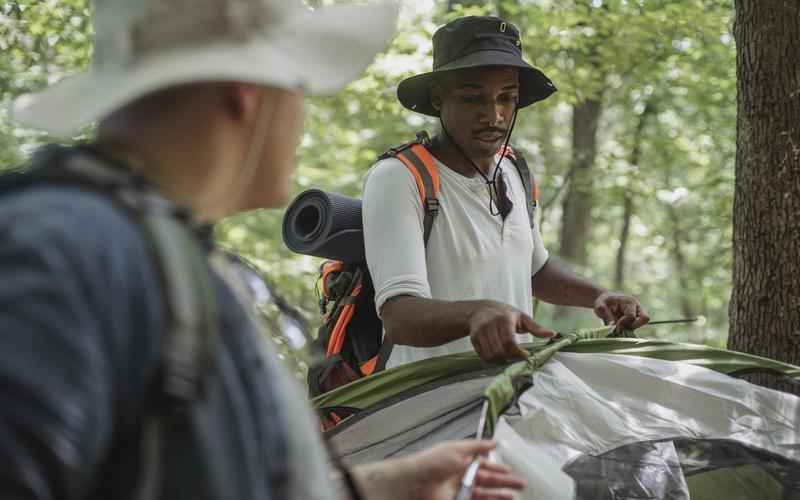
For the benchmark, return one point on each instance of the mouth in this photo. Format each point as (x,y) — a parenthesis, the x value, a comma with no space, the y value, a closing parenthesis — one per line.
(489,137)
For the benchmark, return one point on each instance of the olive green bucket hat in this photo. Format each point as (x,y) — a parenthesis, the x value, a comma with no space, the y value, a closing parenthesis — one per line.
(470,42)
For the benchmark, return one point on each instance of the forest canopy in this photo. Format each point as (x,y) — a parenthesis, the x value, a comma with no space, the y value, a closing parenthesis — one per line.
(634,154)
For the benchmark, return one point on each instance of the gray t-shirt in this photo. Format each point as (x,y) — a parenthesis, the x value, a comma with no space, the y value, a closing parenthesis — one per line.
(471,254)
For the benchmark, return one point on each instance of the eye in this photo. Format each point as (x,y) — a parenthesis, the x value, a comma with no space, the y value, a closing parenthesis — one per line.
(469,98)
(509,98)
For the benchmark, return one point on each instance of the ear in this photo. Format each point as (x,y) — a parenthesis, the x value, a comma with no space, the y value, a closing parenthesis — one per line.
(243,100)
(436,97)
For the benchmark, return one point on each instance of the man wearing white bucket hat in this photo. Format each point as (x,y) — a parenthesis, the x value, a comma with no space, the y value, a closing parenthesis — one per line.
(113,386)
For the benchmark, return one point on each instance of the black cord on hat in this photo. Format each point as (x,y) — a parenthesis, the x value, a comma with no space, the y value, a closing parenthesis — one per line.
(492,184)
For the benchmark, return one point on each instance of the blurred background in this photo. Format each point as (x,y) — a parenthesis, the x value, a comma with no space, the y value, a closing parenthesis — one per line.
(634,154)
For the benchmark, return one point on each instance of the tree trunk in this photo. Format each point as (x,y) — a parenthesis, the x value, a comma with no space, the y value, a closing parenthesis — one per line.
(679,257)
(627,215)
(765,302)
(628,206)
(577,206)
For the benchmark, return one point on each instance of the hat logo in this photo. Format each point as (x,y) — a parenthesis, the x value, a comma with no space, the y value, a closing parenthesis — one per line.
(503,27)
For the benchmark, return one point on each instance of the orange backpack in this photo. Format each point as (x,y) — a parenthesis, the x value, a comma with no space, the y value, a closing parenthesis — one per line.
(351,335)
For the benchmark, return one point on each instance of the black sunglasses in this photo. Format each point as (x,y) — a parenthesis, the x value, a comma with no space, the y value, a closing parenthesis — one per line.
(499,201)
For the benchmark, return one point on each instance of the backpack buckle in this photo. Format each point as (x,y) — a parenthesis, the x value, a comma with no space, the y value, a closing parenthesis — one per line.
(323,305)
(390,153)
(432,205)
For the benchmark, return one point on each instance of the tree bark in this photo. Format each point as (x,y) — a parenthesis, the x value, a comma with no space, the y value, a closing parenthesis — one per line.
(624,233)
(679,257)
(765,302)
(577,206)
(628,205)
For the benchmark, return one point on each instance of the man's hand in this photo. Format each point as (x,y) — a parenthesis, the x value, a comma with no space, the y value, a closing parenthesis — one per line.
(493,327)
(435,474)
(622,310)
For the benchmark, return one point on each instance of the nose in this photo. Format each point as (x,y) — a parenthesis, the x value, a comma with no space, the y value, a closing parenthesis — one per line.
(492,113)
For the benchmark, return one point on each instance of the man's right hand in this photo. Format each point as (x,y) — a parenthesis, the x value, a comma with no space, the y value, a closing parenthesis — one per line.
(493,327)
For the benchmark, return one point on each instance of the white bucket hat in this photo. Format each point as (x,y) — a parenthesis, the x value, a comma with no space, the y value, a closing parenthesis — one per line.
(145,45)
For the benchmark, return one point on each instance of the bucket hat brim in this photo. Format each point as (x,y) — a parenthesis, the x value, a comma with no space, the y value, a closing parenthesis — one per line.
(415,92)
(317,51)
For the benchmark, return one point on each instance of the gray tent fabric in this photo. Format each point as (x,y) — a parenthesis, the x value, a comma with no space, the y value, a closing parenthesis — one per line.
(618,427)
(603,426)
(443,413)
(676,468)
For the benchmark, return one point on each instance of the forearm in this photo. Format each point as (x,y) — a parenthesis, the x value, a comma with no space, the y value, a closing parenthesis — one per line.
(556,284)
(421,322)
(385,480)
(435,474)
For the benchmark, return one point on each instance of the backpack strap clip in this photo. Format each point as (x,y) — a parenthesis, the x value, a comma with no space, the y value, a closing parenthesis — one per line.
(432,206)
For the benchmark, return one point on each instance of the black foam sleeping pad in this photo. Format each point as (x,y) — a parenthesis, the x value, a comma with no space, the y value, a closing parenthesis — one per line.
(326,225)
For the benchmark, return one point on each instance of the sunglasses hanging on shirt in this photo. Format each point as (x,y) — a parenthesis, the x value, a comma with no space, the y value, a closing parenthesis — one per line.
(499,201)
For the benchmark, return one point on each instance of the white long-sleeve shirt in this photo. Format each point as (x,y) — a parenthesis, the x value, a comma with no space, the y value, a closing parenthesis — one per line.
(471,254)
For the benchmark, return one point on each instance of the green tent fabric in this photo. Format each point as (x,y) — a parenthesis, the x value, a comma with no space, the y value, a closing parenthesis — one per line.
(602,418)
(505,387)
(387,384)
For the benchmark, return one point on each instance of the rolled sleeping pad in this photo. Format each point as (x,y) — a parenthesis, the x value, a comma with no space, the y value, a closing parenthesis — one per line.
(326,225)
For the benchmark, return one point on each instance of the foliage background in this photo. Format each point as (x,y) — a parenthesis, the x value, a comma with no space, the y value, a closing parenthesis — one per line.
(663,72)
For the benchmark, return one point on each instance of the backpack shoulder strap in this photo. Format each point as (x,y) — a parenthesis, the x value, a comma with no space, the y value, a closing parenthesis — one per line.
(182,264)
(418,160)
(187,352)
(528,181)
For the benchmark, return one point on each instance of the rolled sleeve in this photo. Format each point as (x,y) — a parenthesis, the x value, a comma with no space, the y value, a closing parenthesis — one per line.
(393,233)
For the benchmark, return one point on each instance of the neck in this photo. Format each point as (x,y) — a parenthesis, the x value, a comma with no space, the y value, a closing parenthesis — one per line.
(183,167)
(450,154)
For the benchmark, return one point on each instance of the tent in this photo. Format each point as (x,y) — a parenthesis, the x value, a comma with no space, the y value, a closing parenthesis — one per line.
(590,419)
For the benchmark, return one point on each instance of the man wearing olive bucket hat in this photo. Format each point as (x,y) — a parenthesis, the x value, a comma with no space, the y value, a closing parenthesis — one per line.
(468,282)
(129,367)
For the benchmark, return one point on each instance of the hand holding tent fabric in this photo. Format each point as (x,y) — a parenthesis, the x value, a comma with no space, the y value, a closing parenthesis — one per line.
(493,327)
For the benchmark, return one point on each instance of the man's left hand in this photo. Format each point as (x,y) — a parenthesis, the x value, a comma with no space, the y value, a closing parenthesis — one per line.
(622,310)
